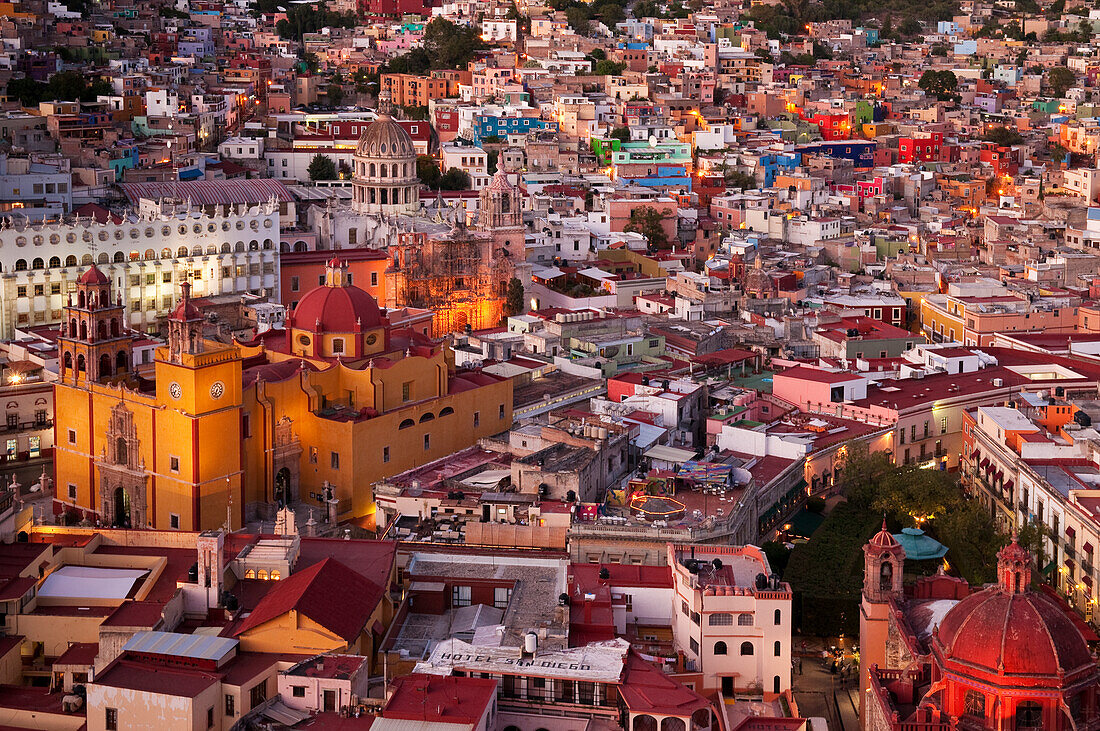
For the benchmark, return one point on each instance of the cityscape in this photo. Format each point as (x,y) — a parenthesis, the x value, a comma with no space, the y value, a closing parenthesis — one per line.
(550,365)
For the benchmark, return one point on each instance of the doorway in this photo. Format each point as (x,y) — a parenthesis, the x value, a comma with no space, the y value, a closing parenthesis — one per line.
(727,685)
(282,487)
(122,508)
(330,701)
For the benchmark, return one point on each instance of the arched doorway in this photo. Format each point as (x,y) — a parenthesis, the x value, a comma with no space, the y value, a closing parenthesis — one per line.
(122,508)
(282,487)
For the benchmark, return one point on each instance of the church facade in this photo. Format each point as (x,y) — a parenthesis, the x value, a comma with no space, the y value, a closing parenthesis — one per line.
(315,413)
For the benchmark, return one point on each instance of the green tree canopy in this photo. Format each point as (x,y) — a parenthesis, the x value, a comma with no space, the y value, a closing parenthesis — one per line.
(321,167)
(513,299)
(621,133)
(455,179)
(646,220)
(428,171)
(1003,136)
(940,84)
(1059,80)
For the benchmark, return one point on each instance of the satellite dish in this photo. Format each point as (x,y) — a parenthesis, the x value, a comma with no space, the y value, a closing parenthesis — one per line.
(653,140)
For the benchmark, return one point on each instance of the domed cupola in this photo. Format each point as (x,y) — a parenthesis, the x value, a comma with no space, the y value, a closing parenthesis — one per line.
(337,320)
(385,178)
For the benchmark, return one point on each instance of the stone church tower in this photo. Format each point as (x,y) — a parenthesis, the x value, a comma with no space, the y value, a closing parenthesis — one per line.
(501,215)
(883,567)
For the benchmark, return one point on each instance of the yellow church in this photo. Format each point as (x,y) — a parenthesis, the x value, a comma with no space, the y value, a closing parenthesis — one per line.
(336,401)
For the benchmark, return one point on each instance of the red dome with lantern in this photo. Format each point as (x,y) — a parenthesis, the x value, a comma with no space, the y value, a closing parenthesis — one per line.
(338,306)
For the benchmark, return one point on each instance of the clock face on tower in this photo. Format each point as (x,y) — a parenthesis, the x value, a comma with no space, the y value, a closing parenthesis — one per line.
(217,389)
(175,390)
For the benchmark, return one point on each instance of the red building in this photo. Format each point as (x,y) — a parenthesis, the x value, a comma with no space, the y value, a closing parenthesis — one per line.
(1004,657)
(832,126)
(1003,160)
(924,147)
(301,272)
(395,7)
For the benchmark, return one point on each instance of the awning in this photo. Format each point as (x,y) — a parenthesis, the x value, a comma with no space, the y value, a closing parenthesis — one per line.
(665,453)
(1009,485)
(975,454)
(1070,532)
(1087,548)
(1049,568)
(984,463)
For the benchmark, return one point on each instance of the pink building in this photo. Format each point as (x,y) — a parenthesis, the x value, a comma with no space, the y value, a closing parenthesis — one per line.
(325,683)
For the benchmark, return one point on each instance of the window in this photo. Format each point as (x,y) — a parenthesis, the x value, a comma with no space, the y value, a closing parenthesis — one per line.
(427,442)
(500,412)
(974,704)
(385,454)
(294,284)
(110,721)
(744,620)
(778,617)
(258,694)
(72,436)
(477,419)
(313,455)
(13,421)
(334,460)
(298,691)
(39,290)
(166,277)
(21,291)
(722,619)
(374,279)
(72,491)
(501,596)
(338,345)
(174,464)
(230,705)
(1029,715)
(210,717)
(746,648)
(460,596)
(719,648)
(406,391)
(694,645)
(174,521)
(943,425)
(777,649)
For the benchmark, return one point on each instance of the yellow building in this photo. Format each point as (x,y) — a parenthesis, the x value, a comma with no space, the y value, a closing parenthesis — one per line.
(315,413)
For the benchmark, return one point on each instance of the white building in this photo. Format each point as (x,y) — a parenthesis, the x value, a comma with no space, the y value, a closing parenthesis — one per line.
(242,148)
(147,254)
(473,160)
(732,618)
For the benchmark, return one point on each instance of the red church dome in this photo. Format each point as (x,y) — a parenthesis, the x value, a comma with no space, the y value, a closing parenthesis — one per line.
(93,276)
(1023,634)
(338,310)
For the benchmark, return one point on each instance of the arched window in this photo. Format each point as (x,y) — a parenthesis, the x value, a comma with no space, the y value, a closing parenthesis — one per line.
(101,330)
(261,575)
(721,619)
(393,170)
(746,648)
(81,302)
(20,265)
(104,365)
(383,170)
(406,424)
(700,719)
(372,170)
(446,411)
(83,331)
(427,417)
(744,620)
(974,704)
(776,684)
(778,616)
(120,451)
(275,575)
(672,723)
(720,648)
(80,363)
(777,648)
(644,722)
(55,262)
(68,361)
(70,260)
(886,576)
(119,257)
(114,327)
(86,260)
(250,574)
(120,361)
(1029,715)
(181,251)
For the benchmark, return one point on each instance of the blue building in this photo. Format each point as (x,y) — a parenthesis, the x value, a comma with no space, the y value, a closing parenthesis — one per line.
(860,152)
(774,162)
(667,176)
(491,125)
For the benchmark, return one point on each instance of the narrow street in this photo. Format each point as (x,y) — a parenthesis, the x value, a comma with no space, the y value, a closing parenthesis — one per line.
(820,693)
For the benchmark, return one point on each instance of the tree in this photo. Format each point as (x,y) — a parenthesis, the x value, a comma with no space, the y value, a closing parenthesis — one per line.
(451,46)
(941,84)
(335,94)
(1059,79)
(608,68)
(513,298)
(321,167)
(491,158)
(739,180)
(428,171)
(647,221)
(577,18)
(344,170)
(455,179)
(622,134)
(1003,136)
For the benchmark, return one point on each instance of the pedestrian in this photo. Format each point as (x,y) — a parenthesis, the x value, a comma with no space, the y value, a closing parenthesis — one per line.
(799,666)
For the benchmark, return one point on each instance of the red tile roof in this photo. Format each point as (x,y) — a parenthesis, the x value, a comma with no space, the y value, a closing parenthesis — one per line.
(440,698)
(329,593)
(645,689)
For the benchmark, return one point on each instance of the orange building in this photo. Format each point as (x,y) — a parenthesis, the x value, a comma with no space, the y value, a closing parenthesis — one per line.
(301,272)
(410,90)
(316,413)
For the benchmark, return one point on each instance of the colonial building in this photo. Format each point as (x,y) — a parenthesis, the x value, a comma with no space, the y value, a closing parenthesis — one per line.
(940,655)
(315,412)
(218,249)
